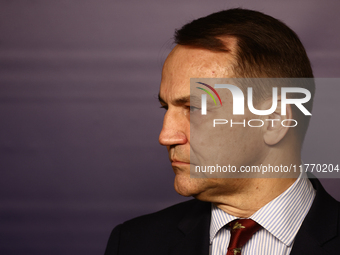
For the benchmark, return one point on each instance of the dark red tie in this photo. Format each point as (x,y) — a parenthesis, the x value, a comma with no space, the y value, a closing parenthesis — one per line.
(241,231)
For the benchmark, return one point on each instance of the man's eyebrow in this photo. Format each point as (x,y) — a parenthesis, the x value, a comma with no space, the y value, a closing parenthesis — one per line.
(182,100)
(179,101)
(188,99)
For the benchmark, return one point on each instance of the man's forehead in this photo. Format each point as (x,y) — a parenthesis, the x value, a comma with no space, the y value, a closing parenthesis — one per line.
(180,100)
(186,62)
(174,93)
(199,62)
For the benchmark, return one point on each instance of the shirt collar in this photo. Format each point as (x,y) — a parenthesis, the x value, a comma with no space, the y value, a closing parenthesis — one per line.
(282,217)
(219,219)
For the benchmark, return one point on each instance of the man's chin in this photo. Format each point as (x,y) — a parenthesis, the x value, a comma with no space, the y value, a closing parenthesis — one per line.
(186,186)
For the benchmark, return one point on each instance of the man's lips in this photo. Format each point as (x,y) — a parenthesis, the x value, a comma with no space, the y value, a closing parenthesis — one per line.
(179,162)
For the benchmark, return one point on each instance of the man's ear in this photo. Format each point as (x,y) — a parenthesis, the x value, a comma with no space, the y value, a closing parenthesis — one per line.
(273,130)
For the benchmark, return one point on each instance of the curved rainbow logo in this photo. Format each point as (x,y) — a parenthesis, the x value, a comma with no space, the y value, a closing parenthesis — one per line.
(212,89)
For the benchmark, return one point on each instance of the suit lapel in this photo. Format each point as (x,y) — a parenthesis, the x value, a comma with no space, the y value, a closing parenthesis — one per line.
(195,228)
(320,224)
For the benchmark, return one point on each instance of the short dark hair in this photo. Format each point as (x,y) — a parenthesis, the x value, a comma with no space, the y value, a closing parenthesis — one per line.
(266,47)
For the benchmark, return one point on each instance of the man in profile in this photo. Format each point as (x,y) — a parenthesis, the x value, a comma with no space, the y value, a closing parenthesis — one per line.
(291,215)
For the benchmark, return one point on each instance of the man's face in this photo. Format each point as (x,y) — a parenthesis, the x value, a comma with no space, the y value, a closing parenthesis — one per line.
(236,146)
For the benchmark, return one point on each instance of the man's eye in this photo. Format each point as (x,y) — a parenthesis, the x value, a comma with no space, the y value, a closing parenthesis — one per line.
(193,109)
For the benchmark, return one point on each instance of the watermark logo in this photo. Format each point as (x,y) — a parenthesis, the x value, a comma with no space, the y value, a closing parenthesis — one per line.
(231,129)
(204,97)
(239,102)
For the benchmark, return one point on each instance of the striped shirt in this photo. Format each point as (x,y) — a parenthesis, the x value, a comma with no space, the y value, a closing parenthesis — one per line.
(281,219)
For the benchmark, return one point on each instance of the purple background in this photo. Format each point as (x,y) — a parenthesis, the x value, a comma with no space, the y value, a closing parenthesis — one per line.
(80,118)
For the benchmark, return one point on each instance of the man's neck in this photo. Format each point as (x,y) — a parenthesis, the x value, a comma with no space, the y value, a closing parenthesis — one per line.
(259,193)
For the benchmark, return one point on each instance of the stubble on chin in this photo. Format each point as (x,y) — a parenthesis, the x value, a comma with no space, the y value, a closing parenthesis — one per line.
(187,186)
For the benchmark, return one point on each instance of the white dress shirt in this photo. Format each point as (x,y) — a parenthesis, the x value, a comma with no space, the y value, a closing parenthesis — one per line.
(281,219)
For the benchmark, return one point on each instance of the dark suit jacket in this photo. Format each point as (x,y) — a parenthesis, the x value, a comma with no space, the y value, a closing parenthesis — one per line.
(183,229)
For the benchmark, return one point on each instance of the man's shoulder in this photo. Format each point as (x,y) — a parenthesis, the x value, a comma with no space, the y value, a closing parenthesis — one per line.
(156,233)
(321,227)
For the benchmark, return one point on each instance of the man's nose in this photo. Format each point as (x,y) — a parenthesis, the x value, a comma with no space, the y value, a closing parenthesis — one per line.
(173,131)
